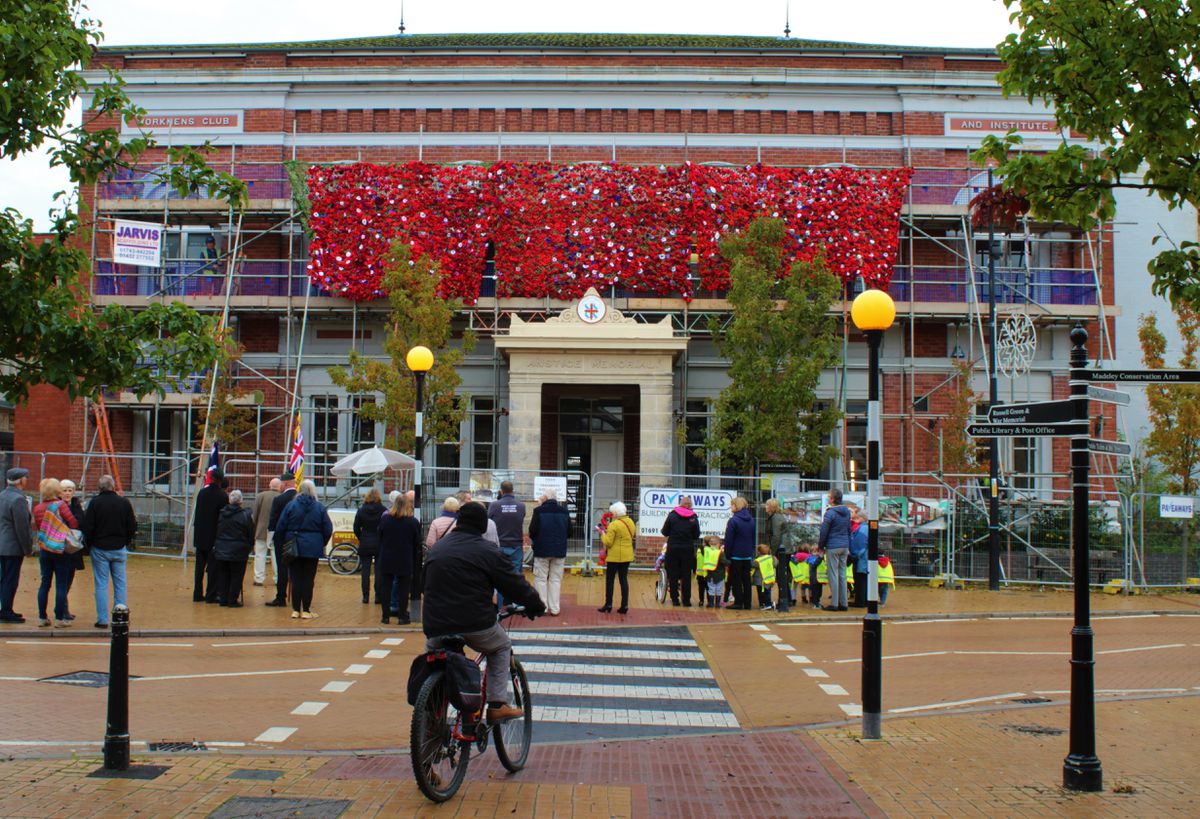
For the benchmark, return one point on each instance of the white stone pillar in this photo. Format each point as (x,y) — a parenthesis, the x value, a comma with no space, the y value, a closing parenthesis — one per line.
(657,425)
(524,420)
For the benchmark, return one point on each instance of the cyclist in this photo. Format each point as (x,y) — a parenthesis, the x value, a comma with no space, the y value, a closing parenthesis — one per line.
(460,574)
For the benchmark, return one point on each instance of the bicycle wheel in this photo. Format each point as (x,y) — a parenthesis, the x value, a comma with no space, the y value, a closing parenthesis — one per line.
(660,588)
(513,737)
(343,559)
(439,761)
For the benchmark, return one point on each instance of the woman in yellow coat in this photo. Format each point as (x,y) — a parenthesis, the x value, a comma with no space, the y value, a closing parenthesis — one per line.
(618,539)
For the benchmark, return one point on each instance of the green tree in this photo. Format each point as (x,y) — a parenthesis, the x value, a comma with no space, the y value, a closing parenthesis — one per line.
(776,348)
(49,333)
(417,315)
(1174,410)
(959,450)
(1125,76)
(231,419)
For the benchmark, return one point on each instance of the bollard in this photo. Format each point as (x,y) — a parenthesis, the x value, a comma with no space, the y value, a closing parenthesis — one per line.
(116,735)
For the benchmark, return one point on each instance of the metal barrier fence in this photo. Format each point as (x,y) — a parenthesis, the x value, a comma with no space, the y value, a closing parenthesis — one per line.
(930,525)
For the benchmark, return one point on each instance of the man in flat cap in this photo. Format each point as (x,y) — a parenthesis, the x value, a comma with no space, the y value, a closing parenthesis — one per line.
(16,540)
(287,494)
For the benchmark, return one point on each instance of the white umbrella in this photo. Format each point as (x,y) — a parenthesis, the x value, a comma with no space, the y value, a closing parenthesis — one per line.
(373,460)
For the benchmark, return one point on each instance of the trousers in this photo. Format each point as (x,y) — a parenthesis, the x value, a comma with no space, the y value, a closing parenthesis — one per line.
(56,569)
(616,572)
(547,579)
(681,563)
(494,644)
(835,560)
(262,551)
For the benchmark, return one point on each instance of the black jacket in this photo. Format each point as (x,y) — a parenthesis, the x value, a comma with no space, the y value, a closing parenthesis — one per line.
(366,527)
(278,505)
(109,522)
(681,531)
(235,533)
(209,503)
(399,545)
(459,577)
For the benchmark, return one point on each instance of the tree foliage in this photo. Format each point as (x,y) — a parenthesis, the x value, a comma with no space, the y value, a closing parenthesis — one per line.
(959,450)
(1125,76)
(231,419)
(1174,409)
(49,333)
(417,315)
(776,351)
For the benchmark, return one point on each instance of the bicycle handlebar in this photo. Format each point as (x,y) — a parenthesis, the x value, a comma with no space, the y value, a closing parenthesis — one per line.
(512,609)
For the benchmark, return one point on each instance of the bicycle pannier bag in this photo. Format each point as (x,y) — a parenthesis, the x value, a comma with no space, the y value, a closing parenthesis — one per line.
(463,683)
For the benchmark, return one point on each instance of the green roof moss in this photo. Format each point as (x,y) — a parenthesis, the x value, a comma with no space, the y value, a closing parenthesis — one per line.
(573,42)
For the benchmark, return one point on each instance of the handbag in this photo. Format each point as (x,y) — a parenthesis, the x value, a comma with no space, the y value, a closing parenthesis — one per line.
(288,553)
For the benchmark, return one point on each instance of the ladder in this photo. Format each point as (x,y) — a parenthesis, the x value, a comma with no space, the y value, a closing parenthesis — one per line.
(106,444)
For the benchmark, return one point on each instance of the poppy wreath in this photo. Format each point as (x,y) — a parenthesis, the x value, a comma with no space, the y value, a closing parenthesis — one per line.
(557,230)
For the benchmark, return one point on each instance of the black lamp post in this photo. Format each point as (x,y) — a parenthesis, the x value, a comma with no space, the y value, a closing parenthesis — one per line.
(993,399)
(420,361)
(873,311)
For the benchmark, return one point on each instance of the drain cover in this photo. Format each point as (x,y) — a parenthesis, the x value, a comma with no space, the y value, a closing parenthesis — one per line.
(255,774)
(86,679)
(166,747)
(270,806)
(1036,730)
(133,772)
(1032,700)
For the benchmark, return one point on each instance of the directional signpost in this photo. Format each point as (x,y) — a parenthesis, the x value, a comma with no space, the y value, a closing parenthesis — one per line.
(1109,447)
(1026,430)
(1042,412)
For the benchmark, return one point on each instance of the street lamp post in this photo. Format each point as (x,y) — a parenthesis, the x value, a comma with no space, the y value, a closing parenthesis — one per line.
(993,398)
(873,311)
(420,361)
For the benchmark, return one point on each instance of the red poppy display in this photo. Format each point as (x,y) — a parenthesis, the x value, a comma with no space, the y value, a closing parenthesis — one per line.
(559,229)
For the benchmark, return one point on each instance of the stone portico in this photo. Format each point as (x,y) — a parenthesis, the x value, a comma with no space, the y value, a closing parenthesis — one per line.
(588,344)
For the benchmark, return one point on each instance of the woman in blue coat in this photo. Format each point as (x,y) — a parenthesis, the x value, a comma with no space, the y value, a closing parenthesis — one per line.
(399,555)
(306,522)
(740,547)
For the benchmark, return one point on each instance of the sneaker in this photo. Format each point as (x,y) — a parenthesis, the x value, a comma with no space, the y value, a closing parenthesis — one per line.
(62,623)
(503,713)
(43,623)
(295,615)
(766,607)
(309,615)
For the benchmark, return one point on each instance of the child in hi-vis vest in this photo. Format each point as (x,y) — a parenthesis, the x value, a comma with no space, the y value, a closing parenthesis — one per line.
(713,564)
(764,576)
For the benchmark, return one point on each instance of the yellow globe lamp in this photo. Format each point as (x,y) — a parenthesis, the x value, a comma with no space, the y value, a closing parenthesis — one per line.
(873,310)
(419,359)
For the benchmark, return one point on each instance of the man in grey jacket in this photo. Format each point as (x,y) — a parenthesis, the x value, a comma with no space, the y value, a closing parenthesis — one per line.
(16,540)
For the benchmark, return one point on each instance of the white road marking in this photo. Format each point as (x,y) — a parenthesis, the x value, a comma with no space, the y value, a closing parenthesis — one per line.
(1015,653)
(632,716)
(1140,648)
(815,672)
(98,643)
(935,705)
(799,658)
(618,670)
(289,642)
(1124,691)
(610,653)
(229,674)
(897,656)
(819,623)
(935,620)
(637,692)
(309,709)
(772,638)
(337,686)
(275,734)
(392,641)
(357,668)
(614,639)
(784,647)
(759,627)
(1123,616)
(18,679)
(377,654)
(834,690)
(851,709)
(1033,618)
(225,744)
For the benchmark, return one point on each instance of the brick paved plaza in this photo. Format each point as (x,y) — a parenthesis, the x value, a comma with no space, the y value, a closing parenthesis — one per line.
(665,712)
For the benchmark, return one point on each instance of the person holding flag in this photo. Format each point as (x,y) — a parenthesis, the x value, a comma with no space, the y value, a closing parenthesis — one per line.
(209,502)
(290,477)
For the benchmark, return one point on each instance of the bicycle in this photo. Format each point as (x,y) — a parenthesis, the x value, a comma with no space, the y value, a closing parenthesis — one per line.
(441,736)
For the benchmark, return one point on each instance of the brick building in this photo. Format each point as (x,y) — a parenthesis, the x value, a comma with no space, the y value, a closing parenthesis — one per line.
(632,99)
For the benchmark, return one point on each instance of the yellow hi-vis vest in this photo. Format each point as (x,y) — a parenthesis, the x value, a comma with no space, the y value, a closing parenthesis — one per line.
(800,572)
(766,568)
(822,574)
(711,557)
(700,570)
(887,574)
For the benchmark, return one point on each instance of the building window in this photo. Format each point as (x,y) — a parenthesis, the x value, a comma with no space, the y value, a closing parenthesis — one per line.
(695,422)
(446,472)
(856,441)
(591,416)
(362,430)
(483,433)
(324,432)
(1024,463)
(160,445)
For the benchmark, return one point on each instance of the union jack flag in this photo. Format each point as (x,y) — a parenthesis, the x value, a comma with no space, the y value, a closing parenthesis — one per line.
(296,461)
(214,463)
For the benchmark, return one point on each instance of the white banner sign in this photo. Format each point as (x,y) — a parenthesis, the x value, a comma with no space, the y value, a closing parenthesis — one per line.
(137,243)
(712,508)
(556,482)
(1173,506)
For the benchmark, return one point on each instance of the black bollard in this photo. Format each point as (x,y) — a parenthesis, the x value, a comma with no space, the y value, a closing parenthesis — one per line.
(116,735)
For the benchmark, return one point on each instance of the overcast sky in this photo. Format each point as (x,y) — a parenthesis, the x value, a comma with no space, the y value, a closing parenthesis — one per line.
(28,184)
